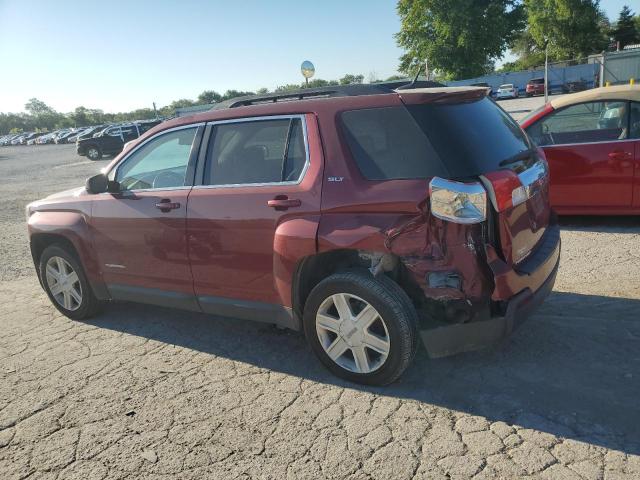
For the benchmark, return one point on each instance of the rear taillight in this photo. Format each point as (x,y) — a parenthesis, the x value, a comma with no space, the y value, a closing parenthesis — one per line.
(507,189)
(458,202)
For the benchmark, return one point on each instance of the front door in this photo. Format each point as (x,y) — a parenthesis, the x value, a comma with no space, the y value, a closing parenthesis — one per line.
(140,233)
(590,155)
(255,214)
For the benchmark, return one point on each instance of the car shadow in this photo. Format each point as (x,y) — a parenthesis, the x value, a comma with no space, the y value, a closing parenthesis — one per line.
(572,370)
(610,224)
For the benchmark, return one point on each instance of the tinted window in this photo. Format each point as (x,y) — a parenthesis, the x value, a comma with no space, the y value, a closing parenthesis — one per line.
(583,123)
(159,163)
(421,141)
(261,151)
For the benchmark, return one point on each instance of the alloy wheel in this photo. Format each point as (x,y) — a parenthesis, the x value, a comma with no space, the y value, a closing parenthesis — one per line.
(63,283)
(352,333)
(92,153)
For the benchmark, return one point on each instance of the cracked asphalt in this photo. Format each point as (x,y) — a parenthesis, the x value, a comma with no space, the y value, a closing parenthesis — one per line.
(142,392)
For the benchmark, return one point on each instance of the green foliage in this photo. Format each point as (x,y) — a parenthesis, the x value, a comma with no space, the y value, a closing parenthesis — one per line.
(627,28)
(235,93)
(349,79)
(461,38)
(573,28)
(209,96)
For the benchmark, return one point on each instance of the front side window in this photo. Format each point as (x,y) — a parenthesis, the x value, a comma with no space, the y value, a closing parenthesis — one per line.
(258,151)
(160,163)
(583,123)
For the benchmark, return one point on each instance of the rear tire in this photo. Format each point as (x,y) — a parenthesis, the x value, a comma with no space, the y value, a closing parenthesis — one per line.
(362,328)
(66,284)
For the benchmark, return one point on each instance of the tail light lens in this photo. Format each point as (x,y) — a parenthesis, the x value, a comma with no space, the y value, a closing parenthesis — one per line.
(458,202)
(507,189)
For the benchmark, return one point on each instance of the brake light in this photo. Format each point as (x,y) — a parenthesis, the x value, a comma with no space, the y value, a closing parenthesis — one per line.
(507,189)
(458,202)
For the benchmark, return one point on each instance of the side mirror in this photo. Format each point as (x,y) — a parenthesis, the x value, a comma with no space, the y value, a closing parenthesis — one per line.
(97,184)
(100,183)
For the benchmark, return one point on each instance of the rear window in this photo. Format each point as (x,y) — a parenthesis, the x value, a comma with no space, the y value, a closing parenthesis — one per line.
(537,81)
(421,141)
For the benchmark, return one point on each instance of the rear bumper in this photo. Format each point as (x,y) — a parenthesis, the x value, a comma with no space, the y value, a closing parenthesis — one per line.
(456,338)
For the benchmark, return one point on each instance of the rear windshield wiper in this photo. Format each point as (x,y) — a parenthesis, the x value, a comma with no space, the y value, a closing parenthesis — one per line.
(517,157)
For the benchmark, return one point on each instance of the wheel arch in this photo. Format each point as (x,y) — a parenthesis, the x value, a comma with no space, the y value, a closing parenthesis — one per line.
(311,270)
(70,230)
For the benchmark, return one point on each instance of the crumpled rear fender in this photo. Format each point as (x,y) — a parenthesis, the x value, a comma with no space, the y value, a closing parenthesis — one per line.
(423,244)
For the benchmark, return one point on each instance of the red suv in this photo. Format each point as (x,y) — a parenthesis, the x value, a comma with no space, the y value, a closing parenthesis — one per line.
(535,86)
(364,216)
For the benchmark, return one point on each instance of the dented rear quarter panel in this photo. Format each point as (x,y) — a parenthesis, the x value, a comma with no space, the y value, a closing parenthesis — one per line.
(393,216)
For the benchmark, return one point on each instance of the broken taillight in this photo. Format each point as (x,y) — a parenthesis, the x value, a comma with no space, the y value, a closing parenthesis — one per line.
(458,202)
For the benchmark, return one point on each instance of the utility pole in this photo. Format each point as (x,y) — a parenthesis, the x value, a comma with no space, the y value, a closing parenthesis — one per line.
(546,70)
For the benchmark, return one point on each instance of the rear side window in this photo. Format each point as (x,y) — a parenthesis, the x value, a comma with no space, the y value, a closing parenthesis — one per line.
(454,140)
(259,151)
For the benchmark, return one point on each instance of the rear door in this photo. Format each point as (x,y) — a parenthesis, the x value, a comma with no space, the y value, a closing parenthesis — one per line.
(590,155)
(255,213)
(111,140)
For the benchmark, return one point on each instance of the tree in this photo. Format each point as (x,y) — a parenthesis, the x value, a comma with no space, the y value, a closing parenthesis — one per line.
(458,37)
(38,107)
(262,91)
(572,27)
(626,29)
(209,96)
(235,93)
(349,78)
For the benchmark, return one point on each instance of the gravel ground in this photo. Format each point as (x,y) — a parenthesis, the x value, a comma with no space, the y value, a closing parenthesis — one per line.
(141,392)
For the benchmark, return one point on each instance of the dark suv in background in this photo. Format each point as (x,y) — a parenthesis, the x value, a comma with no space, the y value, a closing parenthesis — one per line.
(111,140)
(364,216)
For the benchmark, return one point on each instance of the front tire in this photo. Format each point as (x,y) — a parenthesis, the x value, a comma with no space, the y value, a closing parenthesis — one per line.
(362,328)
(94,153)
(66,284)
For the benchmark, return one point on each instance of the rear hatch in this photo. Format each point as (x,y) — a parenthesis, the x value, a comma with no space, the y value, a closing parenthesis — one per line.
(477,141)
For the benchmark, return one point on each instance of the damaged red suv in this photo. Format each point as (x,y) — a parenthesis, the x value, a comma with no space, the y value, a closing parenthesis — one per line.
(367,217)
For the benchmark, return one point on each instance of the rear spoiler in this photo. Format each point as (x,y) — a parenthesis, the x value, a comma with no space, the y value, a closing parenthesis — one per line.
(442,95)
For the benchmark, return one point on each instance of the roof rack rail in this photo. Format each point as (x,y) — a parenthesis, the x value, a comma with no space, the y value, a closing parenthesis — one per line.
(322,92)
(306,93)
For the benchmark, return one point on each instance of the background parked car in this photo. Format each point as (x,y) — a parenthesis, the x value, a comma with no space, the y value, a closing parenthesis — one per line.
(111,140)
(535,86)
(592,141)
(576,86)
(508,90)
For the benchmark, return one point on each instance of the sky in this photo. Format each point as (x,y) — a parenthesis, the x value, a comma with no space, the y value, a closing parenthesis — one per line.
(121,55)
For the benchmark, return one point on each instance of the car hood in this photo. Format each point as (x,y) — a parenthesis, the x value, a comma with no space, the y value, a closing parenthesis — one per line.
(71,193)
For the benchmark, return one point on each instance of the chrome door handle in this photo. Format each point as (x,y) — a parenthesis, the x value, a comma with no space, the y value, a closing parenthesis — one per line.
(165,205)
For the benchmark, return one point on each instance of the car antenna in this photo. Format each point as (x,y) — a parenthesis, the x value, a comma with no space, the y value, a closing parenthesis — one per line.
(413,82)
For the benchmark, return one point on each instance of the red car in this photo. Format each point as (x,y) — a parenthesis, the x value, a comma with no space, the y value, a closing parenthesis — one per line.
(364,216)
(592,142)
(535,86)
